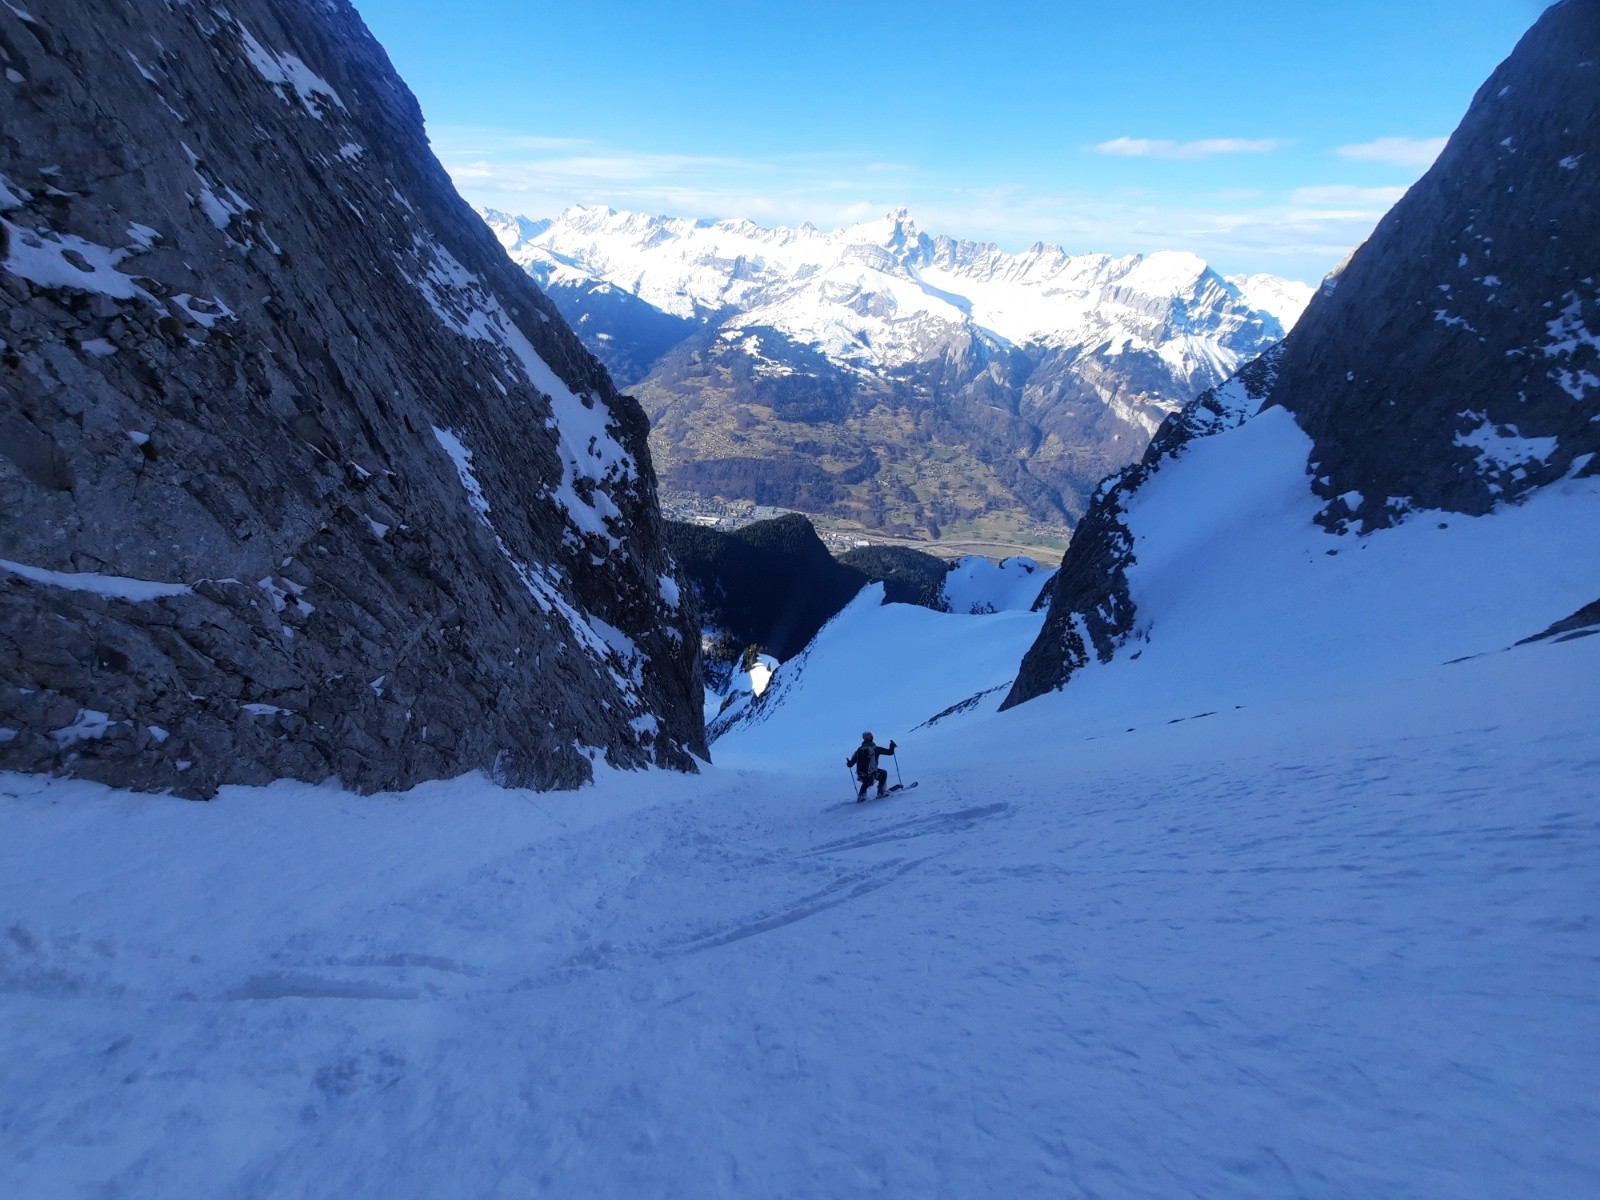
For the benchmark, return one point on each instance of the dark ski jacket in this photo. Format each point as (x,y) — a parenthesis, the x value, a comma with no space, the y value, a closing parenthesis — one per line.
(865,759)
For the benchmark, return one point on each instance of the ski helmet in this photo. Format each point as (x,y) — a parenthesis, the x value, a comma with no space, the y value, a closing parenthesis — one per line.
(867,736)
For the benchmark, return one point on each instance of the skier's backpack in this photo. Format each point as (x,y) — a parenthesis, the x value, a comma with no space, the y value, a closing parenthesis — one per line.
(866,760)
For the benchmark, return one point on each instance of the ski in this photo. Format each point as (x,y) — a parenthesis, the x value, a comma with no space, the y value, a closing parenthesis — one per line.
(889,791)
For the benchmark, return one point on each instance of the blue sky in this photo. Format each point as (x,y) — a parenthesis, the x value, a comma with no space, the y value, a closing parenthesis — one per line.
(1263,136)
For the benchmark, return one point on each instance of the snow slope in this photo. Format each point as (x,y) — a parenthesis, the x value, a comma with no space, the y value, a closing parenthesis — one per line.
(1242,599)
(1292,898)
(1330,948)
(879,667)
(976,585)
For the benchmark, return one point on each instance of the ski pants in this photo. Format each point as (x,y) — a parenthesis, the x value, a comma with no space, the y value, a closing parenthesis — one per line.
(880,775)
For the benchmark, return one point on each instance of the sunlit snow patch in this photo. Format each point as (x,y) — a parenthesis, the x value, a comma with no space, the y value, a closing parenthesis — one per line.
(1569,337)
(65,260)
(287,72)
(976,585)
(10,199)
(89,725)
(608,646)
(116,587)
(205,312)
(591,458)
(1502,448)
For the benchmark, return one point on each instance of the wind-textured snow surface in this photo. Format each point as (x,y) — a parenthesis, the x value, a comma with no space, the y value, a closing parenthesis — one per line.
(1336,948)
(1294,897)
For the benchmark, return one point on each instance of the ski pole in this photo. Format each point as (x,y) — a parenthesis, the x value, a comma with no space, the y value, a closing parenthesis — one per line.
(899,782)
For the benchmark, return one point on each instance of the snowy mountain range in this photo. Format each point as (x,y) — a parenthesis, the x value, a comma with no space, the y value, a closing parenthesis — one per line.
(859,364)
(874,295)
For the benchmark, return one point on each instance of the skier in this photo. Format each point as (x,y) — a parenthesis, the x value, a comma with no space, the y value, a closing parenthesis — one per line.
(865,761)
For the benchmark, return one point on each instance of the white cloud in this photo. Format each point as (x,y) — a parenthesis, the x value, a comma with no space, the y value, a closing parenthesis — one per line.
(1344,196)
(1126,147)
(541,176)
(1396,151)
(1300,234)
(477,139)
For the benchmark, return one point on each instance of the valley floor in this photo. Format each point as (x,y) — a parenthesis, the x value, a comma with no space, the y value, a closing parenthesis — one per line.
(1331,948)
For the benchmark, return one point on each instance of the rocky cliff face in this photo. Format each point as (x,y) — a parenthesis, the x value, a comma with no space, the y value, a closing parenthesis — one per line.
(1456,364)
(908,576)
(772,584)
(1453,365)
(299,475)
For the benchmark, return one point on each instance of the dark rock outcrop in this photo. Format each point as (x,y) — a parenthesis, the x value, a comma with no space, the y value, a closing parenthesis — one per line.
(908,576)
(1585,622)
(772,584)
(1452,365)
(299,475)
(1456,364)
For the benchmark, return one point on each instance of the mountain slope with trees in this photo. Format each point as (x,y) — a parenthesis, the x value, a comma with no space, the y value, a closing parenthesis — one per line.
(917,384)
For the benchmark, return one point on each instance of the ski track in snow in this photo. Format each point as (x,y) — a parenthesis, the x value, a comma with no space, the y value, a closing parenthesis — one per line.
(1331,948)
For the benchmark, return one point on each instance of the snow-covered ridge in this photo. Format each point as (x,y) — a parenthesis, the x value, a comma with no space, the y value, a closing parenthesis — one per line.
(977,585)
(883,293)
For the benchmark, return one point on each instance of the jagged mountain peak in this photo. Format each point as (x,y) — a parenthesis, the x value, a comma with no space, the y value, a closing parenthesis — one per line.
(1172,272)
(509,229)
(895,230)
(1076,358)
(732,267)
